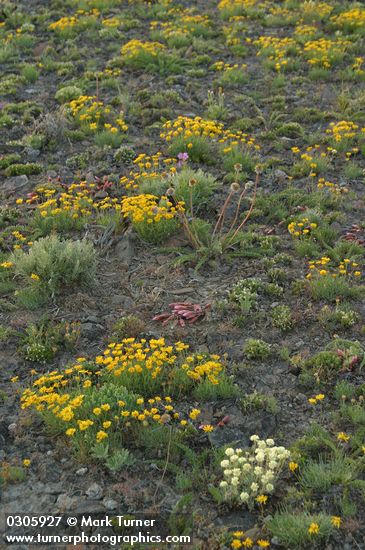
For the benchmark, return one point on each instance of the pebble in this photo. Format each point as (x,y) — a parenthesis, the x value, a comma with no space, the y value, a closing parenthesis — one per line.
(32,154)
(94,492)
(125,249)
(65,502)
(15,182)
(280,175)
(110,504)
(86,507)
(81,471)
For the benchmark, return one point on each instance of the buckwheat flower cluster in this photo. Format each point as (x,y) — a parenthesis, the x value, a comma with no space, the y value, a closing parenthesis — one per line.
(136,47)
(248,474)
(189,128)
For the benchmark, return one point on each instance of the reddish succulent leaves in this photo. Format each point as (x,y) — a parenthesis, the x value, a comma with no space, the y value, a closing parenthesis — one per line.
(182,313)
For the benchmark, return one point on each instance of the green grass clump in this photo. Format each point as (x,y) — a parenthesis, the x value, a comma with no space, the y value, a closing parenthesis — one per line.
(23,169)
(257,349)
(331,288)
(52,264)
(292,529)
(189,185)
(282,318)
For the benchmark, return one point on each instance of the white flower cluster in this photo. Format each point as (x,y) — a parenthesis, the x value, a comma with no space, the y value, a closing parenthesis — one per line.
(248,474)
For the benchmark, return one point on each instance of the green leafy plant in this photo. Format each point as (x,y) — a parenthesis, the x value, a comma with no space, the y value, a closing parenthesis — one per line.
(51,265)
(256,349)
(282,318)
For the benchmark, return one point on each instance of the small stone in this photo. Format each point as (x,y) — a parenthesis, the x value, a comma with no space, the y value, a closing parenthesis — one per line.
(91,330)
(65,502)
(280,175)
(124,249)
(89,507)
(81,471)
(90,178)
(31,153)
(53,488)
(298,344)
(110,504)
(301,398)
(94,492)
(252,533)
(16,181)
(12,428)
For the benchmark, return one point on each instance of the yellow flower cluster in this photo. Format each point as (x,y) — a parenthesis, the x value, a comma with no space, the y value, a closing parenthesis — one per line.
(76,413)
(134,47)
(344,129)
(135,357)
(240,540)
(227,67)
(234,30)
(72,21)
(322,52)
(68,395)
(280,11)
(207,370)
(276,49)
(91,111)
(153,357)
(101,75)
(302,228)
(150,167)
(305,30)
(236,6)
(63,23)
(164,3)
(354,18)
(20,239)
(185,25)
(77,201)
(337,190)
(317,398)
(149,208)
(188,127)
(315,9)
(48,392)
(313,529)
(87,108)
(325,266)
(357,66)
(111,22)
(19,236)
